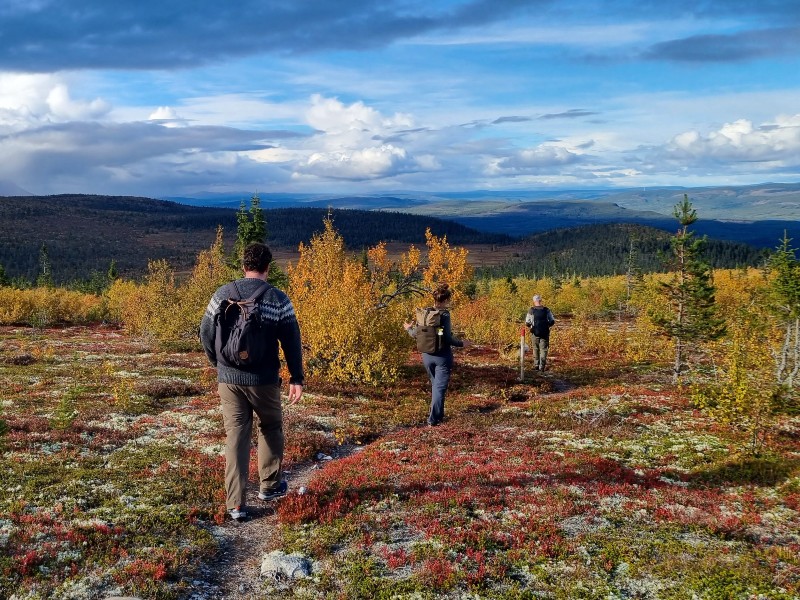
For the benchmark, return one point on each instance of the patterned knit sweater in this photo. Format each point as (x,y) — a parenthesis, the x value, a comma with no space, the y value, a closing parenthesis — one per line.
(276,311)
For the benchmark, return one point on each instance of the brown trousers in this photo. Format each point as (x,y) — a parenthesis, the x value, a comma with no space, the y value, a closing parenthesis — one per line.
(239,402)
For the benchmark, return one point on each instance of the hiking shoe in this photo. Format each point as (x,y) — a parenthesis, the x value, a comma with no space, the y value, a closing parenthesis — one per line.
(275,492)
(238,514)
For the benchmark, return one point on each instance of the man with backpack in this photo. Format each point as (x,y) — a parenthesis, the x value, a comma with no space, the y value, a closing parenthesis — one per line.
(240,331)
(539,320)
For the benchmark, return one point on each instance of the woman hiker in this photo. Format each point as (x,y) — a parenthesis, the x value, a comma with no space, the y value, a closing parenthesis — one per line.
(438,357)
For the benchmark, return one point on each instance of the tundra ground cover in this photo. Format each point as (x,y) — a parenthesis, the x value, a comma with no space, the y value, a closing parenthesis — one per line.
(616,487)
(560,497)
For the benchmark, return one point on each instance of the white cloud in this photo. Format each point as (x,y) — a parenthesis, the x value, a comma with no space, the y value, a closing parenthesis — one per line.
(30,100)
(276,155)
(367,163)
(333,117)
(243,110)
(741,141)
(603,35)
(64,108)
(350,145)
(544,156)
(167,116)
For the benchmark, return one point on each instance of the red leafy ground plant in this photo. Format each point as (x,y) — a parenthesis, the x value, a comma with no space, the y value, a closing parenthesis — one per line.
(111,454)
(587,481)
(496,505)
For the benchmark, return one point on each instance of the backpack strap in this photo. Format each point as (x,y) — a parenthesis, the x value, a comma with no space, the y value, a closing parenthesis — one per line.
(243,304)
(234,294)
(259,292)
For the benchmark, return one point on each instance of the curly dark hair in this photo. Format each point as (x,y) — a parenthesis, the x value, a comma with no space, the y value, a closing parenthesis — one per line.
(256,257)
(442,293)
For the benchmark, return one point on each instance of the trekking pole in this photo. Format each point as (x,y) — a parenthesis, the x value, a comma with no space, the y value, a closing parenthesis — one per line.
(522,354)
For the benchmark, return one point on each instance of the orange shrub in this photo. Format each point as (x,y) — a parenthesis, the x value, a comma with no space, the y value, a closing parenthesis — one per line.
(486,322)
(149,309)
(590,297)
(446,265)
(499,310)
(346,337)
(351,316)
(589,336)
(122,297)
(495,316)
(167,311)
(739,289)
(645,343)
(45,306)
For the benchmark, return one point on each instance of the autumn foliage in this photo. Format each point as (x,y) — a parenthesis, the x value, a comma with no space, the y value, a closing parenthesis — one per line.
(351,314)
(45,306)
(165,310)
(345,336)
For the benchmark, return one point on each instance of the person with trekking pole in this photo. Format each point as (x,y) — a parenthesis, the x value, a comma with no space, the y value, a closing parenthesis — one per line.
(539,320)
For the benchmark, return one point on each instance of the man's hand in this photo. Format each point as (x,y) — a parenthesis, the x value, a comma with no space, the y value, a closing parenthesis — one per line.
(295,392)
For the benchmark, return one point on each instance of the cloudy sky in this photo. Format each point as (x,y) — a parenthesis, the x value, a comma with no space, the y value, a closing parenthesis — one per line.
(177,97)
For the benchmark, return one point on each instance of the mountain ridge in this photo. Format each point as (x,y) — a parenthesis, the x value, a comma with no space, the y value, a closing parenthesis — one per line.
(83,233)
(745,203)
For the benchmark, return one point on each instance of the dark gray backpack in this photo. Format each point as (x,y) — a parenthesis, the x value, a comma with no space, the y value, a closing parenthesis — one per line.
(240,342)
(541,326)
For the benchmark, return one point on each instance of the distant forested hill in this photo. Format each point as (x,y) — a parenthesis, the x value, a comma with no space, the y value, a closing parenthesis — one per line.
(604,250)
(84,233)
(290,226)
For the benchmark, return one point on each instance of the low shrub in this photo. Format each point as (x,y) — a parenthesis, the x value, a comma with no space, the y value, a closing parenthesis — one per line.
(164,309)
(158,389)
(40,307)
(589,337)
(485,322)
(347,338)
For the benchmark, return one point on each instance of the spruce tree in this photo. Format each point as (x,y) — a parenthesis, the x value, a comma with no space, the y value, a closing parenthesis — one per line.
(45,278)
(66,412)
(4,280)
(784,290)
(113,273)
(690,292)
(633,270)
(512,286)
(251,226)
(4,429)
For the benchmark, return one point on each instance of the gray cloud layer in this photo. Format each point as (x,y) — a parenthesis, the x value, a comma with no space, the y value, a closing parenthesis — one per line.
(51,35)
(737,47)
(573,113)
(104,153)
(79,34)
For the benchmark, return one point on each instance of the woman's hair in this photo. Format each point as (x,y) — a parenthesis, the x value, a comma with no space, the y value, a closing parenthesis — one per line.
(442,293)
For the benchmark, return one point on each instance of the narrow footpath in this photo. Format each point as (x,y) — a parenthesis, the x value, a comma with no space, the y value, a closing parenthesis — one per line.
(235,572)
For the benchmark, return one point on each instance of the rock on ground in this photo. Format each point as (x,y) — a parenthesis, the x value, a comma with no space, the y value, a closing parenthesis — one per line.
(278,565)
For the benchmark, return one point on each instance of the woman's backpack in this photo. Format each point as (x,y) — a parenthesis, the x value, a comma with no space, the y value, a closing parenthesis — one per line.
(429,331)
